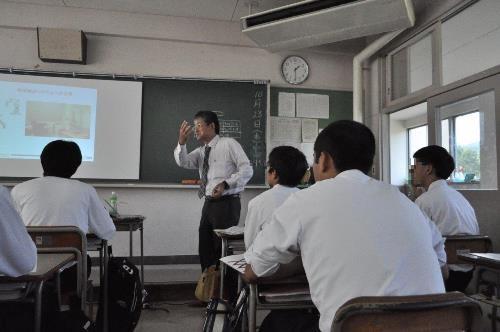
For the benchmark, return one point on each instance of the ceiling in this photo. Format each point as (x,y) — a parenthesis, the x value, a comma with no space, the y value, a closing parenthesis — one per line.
(224,10)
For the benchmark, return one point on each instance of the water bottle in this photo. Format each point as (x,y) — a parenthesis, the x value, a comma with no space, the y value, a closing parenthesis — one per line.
(113,202)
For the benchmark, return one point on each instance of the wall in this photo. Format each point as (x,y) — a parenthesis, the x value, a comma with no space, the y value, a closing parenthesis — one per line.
(125,43)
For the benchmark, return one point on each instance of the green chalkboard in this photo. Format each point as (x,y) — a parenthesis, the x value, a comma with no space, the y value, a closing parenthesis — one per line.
(242,111)
(340,103)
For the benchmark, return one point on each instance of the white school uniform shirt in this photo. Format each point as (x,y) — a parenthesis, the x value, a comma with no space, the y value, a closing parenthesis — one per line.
(261,208)
(448,209)
(227,162)
(357,237)
(17,250)
(437,242)
(55,201)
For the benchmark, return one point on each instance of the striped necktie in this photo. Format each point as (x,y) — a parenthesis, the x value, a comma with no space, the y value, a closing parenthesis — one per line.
(204,173)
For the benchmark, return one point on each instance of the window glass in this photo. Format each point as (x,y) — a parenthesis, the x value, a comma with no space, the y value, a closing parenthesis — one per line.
(471,41)
(408,133)
(468,132)
(412,68)
(417,138)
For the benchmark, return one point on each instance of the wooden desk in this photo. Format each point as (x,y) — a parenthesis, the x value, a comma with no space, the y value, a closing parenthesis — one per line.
(233,240)
(48,264)
(131,223)
(488,261)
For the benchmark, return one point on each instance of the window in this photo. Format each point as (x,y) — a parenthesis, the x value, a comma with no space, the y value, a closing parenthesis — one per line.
(471,41)
(408,133)
(411,68)
(468,132)
(460,135)
(417,139)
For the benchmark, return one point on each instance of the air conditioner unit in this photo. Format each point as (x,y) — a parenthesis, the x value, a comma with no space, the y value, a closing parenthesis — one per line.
(316,22)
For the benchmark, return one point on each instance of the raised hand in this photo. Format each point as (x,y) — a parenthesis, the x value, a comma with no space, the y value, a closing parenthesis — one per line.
(184,132)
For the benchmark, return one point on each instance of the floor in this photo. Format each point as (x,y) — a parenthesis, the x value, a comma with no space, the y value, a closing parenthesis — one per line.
(180,317)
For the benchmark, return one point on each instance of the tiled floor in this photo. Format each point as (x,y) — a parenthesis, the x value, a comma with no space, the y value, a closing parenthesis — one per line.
(182,318)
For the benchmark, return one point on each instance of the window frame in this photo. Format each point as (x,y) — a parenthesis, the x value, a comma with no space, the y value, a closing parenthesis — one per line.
(408,140)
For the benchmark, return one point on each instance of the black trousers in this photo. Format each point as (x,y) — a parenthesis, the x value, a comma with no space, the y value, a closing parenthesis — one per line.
(216,214)
(293,320)
(458,281)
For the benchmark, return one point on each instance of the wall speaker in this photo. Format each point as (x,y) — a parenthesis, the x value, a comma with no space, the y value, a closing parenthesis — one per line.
(62,45)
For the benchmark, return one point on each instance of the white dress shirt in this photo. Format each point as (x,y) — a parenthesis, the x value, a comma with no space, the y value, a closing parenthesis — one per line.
(437,242)
(17,250)
(227,162)
(357,237)
(448,209)
(55,201)
(261,208)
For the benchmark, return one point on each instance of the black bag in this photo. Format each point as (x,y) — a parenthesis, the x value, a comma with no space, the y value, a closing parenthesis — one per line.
(124,296)
(221,316)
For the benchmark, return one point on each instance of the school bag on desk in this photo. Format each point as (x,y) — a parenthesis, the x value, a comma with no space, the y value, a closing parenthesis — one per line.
(221,316)
(124,296)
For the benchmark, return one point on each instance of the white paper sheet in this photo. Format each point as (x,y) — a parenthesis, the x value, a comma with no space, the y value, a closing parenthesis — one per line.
(308,150)
(286,104)
(311,105)
(309,130)
(236,262)
(286,129)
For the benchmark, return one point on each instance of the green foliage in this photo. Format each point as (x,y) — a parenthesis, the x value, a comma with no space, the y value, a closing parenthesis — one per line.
(468,157)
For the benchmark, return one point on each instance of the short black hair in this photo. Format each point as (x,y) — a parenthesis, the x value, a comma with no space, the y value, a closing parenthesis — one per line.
(439,158)
(209,117)
(61,158)
(289,163)
(350,144)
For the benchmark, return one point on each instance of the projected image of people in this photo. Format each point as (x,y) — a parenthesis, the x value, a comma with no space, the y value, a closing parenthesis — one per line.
(48,119)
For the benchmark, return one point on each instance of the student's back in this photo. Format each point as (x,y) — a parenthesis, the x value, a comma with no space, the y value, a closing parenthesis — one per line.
(449,209)
(286,168)
(17,250)
(56,201)
(358,237)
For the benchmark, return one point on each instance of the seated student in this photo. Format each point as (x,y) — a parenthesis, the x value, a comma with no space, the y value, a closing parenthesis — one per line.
(17,257)
(17,250)
(286,168)
(357,236)
(445,206)
(57,200)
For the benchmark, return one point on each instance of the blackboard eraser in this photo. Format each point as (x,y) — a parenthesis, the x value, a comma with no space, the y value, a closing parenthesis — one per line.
(190,181)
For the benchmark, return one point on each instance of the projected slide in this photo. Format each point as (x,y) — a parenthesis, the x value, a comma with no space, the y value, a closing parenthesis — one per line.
(31,115)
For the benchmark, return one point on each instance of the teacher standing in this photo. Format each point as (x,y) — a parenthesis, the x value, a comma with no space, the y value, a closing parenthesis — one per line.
(224,171)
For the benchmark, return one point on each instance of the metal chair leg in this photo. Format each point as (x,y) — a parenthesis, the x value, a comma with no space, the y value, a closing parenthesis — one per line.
(252,308)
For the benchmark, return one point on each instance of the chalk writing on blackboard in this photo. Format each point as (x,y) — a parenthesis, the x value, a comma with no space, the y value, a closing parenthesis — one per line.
(257,155)
(230,128)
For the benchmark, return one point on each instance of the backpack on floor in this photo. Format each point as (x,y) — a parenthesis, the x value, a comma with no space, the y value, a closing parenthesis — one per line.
(221,316)
(124,296)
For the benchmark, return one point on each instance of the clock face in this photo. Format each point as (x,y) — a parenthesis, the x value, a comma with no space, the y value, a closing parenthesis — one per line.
(295,69)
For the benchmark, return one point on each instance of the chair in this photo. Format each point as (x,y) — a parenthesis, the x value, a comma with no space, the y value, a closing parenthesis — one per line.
(455,244)
(452,311)
(64,239)
(270,294)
